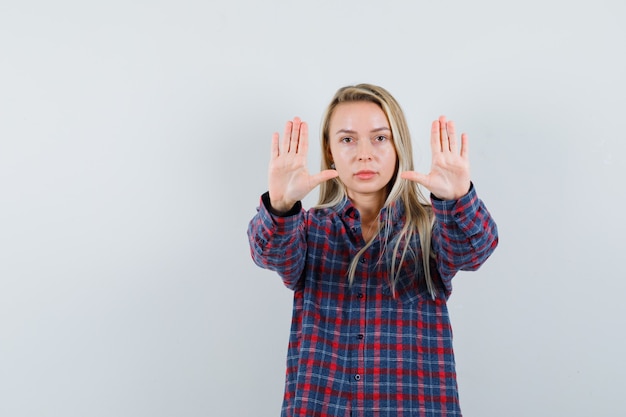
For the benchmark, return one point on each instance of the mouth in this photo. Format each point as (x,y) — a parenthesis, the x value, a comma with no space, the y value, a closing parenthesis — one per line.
(365,174)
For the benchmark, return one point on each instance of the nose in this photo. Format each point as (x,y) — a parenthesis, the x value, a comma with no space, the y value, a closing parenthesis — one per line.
(364,151)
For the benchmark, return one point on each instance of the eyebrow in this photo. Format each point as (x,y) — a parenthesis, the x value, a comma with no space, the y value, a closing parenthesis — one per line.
(378,129)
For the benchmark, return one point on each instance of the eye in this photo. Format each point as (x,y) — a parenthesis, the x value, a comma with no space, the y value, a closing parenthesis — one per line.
(347,139)
(380,138)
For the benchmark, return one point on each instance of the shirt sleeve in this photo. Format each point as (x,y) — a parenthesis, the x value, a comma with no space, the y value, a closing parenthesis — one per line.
(278,242)
(464,235)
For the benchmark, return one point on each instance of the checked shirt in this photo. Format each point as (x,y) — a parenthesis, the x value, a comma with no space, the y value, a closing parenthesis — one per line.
(358,350)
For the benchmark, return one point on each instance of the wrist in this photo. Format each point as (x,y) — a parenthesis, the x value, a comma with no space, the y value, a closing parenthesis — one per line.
(281,208)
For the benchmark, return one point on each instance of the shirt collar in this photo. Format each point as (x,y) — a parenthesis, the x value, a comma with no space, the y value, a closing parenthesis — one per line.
(346,209)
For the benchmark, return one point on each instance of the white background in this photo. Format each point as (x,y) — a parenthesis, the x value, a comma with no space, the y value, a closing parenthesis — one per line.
(134,147)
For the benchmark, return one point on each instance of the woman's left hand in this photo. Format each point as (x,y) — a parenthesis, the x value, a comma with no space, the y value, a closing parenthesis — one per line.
(449,177)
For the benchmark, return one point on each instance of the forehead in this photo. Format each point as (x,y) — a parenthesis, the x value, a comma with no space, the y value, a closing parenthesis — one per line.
(358,115)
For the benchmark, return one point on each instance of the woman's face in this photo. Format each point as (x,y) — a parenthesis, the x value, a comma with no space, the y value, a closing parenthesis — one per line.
(361,148)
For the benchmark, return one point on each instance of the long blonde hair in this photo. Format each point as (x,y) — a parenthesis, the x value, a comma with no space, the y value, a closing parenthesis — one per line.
(419,217)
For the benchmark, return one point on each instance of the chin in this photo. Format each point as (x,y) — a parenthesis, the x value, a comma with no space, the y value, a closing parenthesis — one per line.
(369,190)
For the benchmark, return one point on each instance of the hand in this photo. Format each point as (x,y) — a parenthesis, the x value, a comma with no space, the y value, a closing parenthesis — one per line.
(449,177)
(289,179)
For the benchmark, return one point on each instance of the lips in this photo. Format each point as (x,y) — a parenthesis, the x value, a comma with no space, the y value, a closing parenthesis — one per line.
(365,174)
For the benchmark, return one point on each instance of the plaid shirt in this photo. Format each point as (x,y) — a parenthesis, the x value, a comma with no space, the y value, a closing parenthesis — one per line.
(356,350)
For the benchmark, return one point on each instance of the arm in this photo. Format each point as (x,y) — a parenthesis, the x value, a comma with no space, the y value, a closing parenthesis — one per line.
(277,234)
(464,235)
(278,242)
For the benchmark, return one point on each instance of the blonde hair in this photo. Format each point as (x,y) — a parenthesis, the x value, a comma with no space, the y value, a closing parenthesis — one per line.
(419,217)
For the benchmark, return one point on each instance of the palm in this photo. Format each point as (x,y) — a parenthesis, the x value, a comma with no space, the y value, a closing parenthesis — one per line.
(289,179)
(449,177)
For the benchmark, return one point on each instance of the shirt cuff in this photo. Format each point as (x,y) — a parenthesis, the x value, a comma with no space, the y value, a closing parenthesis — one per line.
(456,211)
(265,198)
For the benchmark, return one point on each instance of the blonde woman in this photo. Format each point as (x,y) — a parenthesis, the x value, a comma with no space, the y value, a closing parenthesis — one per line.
(371,265)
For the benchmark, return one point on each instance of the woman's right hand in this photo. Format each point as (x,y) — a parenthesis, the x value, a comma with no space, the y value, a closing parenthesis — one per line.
(289,179)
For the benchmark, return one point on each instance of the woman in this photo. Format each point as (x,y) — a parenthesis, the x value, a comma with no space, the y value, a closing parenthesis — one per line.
(371,265)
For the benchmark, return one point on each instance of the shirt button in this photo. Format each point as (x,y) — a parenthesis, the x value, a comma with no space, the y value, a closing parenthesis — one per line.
(359,295)
(357,377)
(360,337)
(363,260)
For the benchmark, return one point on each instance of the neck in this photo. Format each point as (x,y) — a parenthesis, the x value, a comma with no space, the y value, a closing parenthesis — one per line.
(369,206)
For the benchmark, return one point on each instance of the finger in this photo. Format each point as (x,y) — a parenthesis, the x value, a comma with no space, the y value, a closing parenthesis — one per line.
(452,137)
(295,135)
(286,137)
(303,143)
(435,137)
(415,177)
(464,146)
(443,127)
(323,176)
(275,151)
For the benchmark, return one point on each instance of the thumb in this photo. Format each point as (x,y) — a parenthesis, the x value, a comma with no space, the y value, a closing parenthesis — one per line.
(415,177)
(323,176)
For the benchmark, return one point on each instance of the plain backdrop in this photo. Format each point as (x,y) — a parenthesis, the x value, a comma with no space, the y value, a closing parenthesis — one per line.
(134,143)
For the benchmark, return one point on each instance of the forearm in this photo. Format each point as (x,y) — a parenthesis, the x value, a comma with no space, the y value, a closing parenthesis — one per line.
(278,242)
(464,235)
